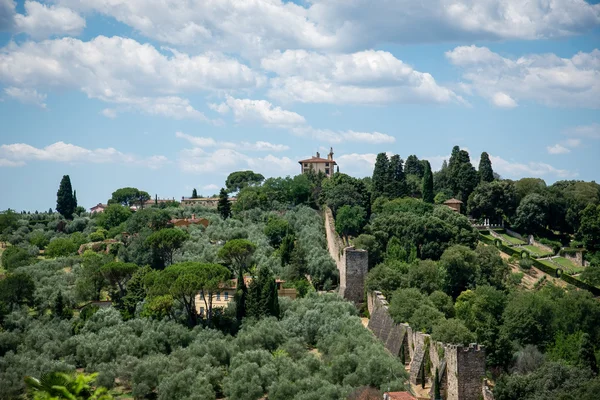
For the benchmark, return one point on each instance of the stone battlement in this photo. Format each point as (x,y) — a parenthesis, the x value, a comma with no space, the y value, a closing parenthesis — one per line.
(461,367)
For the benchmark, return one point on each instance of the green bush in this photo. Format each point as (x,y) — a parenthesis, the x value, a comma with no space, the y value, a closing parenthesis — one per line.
(60,247)
(525,264)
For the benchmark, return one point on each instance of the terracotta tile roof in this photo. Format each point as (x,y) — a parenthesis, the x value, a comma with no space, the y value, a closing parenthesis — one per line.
(453,201)
(317,160)
(400,396)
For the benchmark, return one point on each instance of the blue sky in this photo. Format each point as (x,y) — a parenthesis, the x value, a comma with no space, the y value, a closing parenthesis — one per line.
(169,95)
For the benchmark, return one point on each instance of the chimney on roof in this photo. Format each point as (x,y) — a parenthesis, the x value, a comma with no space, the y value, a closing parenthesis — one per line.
(330,155)
(318,155)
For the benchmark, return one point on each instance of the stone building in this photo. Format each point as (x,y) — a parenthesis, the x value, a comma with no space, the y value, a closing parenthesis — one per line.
(454,204)
(318,164)
(209,202)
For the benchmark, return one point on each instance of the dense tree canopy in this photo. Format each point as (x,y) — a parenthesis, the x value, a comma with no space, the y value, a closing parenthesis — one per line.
(65,202)
(241,179)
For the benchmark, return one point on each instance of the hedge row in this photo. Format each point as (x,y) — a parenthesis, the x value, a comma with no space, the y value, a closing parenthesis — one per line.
(580,284)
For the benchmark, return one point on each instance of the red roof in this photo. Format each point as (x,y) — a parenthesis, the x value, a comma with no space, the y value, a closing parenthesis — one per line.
(317,160)
(400,396)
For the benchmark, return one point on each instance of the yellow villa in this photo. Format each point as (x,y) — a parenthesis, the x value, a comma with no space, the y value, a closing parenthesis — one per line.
(225,294)
(318,164)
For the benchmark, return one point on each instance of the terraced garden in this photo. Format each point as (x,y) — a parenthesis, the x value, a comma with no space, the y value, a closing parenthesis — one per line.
(537,252)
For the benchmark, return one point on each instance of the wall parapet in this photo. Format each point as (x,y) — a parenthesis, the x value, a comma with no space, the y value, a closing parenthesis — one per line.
(462,367)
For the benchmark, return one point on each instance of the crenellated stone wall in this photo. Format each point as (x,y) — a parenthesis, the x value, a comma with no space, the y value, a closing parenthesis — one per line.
(461,368)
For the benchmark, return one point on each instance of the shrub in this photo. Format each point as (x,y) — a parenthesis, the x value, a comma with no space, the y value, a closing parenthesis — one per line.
(14,257)
(525,264)
(61,247)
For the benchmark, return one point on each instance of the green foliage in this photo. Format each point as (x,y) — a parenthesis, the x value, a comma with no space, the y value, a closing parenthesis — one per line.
(486,173)
(14,257)
(237,252)
(428,195)
(56,385)
(589,230)
(113,216)
(461,269)
(276,229)
(117,274)
(452,331)
(381,176)
(224,205)
(463,178)
(17,289)
(496,200)
(532,214)
(350,220)
(164,243)
(65,202)
(194,194)
(344,190)
(262,300)
(60,308)
(241,179)
(61,247)
(129,196)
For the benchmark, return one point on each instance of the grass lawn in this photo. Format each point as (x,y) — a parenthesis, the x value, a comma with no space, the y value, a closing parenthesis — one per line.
(490,237)
(511,239)
(568,265)
(548,263)
(537,252)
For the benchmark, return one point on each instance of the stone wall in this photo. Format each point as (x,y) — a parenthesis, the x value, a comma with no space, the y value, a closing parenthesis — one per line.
(352,264)
(462,368)
(515,235)
(576,259)
(535,243)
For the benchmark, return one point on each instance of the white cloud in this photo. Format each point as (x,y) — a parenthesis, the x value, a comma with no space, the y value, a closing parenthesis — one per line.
(224,160)
(7,15)
(557,149)
(122,71)
(220,108)
(210,142)
(109,113)
(42,21)
(20,153)
(543,78)
(357,164)
(591,131)
(27,96)
(8,163)
(247,110)
(329,136)
(503,100)
(366,77)
(211,186)
(532,169)
(261,25)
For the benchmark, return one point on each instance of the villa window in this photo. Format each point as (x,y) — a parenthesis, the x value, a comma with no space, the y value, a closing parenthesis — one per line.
(218,296)
(226,296)
(305,165)
(326,171)
(327,164)
(201,310)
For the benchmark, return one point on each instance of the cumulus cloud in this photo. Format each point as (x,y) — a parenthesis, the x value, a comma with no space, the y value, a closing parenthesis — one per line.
(262,25)
(247,110)
(224,160)
(204,142)
(26,96)
(543,78)
(531,169)
(330,136)
(366,77)
(503,100)
(591,131)
(558,149)
(109,113)
(123,71)
(41,21)
(18,154)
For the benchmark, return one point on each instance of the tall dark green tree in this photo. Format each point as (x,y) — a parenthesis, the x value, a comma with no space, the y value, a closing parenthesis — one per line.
(75,197)
(414,166)
(224,205)
(381,176)
(194,194)
(463,176)
(397,185)
(486,173)
(60,308)
(587,358)
(262,300)
(428,195)
(65,202)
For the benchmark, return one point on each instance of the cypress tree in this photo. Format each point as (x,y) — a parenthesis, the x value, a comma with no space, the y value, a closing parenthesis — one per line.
(285,249)
(194,194)
(437,395)
(75,197)
(413,166)
(428,195)
(59,308)
(224,205)
(486,173)
(397,186)
(381,176)
(65,203)
(241,294)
